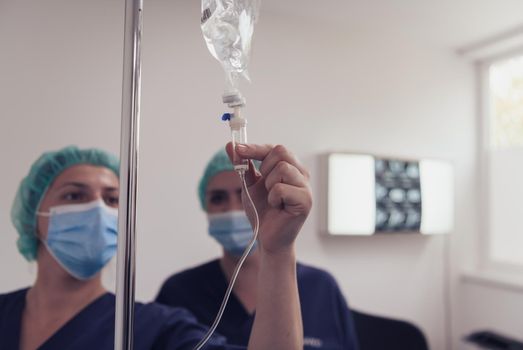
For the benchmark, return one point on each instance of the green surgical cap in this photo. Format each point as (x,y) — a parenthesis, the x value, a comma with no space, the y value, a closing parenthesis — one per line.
(218,163)
(34,186)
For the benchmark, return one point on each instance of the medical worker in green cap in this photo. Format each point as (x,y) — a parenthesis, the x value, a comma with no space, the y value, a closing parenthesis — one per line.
(65,212)
(326,317)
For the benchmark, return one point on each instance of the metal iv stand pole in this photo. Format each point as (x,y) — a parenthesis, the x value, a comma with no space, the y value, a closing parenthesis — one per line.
(130,125)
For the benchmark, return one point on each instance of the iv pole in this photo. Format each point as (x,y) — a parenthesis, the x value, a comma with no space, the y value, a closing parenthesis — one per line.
(131,88)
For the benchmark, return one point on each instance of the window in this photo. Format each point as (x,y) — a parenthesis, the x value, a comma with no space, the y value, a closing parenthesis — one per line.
(506,101)
(503,147)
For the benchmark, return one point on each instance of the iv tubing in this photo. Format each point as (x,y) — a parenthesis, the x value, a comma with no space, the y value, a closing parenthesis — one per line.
(246,253)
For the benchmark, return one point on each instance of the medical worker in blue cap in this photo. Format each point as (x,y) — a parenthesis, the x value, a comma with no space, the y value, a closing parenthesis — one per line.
(65,212)
(327,320)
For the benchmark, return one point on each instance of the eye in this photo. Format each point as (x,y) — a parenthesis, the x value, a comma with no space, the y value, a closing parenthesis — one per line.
(111,201)
(73,196)
(218,198)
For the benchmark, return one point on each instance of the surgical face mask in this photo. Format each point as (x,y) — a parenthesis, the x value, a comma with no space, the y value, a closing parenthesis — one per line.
(232,230)
(82,237)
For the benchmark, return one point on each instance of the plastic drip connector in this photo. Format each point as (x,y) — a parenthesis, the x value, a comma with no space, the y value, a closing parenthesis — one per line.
(233,99)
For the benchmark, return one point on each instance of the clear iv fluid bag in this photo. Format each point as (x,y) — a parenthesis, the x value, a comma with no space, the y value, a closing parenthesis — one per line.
(227,26)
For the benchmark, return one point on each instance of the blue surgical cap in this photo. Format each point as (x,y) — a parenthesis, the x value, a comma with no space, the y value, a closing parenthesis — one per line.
(218,163)
(34,186)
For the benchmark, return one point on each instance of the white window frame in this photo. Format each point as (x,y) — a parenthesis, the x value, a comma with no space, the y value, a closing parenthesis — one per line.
(486,263)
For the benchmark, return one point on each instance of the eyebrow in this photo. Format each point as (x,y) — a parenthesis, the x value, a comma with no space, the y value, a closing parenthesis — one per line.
(217,191)
(224,189)
(75,184)
(213,192)
(83,186)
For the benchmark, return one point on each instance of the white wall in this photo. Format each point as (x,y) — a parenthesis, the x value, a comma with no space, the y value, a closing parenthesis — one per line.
(60,69)
(315,88)
(490,306)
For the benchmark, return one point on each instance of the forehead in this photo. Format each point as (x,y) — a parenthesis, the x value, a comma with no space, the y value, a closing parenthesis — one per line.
(225,180)
(90,175)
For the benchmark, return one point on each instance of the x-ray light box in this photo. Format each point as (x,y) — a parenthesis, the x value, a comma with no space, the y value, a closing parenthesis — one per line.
(367,194)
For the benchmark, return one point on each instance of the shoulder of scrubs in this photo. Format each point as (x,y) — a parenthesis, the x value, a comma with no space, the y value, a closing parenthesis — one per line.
(184,284)
(10,303)
(156,327)
(179,328)
(7,297)
(327,319)
(11,308)
(201,289)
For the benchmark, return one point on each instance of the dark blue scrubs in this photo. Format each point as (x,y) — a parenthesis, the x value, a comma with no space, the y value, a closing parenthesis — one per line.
(156,327)
(327,321)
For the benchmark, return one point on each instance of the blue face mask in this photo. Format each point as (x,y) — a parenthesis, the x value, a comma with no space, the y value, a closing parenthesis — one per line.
(82,237)
(232,230)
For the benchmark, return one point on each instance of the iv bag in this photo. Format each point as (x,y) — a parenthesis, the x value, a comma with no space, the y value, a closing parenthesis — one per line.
(227,26)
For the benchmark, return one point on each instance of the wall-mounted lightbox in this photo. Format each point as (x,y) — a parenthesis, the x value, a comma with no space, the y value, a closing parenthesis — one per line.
(367,194)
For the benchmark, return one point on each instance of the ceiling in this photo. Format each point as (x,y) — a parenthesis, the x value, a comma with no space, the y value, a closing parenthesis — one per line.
(450,23)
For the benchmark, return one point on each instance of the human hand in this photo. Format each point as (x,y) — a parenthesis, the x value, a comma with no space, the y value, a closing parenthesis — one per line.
(280,191)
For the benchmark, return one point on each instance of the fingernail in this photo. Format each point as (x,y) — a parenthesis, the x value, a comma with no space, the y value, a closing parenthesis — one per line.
(242,148)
